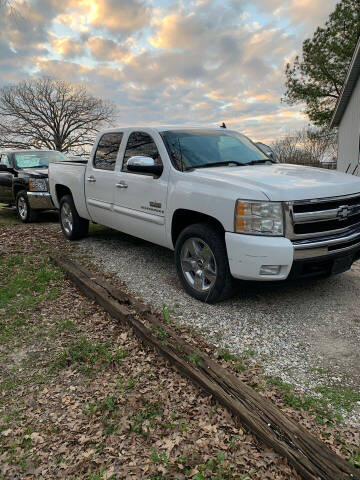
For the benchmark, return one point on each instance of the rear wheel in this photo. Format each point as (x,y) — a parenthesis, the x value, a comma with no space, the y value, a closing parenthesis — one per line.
(73,226)
(202,263)
(23,209)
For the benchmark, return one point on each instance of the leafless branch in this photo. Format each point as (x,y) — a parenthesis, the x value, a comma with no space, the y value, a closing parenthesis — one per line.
(9,7)
(309,146)
(53,114)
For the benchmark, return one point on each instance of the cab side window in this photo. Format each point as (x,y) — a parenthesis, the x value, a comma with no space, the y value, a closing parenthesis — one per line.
(4,160)
(107,150)
(140,143)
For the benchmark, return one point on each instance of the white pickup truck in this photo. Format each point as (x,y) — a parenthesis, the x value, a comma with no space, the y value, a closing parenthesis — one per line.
(210,194)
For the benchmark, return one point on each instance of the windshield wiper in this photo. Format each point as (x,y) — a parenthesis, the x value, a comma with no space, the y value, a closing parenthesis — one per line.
(257,162)
(36,166)
(215,164)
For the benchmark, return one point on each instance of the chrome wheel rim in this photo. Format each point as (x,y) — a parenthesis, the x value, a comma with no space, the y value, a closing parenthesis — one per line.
(22,208)
(198,264)
(66,218)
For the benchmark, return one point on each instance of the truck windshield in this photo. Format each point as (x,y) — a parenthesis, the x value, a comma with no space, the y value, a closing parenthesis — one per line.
(33,159)
(190,149)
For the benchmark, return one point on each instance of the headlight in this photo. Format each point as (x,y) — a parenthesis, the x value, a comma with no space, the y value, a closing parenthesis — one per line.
(37,185)
(259,218)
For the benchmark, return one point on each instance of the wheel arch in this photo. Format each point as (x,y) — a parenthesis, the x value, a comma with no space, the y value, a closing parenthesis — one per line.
(183,218)
(18,188)
(61,191)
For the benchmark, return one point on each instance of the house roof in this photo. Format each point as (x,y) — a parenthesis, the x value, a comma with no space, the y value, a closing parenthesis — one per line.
(348,88)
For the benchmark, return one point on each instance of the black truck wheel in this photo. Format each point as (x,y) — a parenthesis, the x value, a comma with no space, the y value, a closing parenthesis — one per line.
(73,226)
(24,212)
(202,263)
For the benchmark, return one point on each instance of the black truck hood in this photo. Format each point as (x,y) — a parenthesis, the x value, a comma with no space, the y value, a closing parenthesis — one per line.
(34,173)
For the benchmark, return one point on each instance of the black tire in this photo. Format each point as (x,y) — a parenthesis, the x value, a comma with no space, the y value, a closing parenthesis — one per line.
(224,284)
(79,227)
(23,210)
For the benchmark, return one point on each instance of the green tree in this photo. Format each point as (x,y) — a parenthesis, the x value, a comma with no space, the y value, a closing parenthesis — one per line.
(316,78)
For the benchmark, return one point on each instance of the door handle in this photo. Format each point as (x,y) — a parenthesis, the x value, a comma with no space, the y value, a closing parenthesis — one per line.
(91,179)
(122,185)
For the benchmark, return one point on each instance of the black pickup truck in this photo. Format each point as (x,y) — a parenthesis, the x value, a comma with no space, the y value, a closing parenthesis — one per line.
(24,181)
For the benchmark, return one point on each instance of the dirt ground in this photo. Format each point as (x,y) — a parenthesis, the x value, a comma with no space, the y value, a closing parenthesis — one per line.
(307,330)
(81,398)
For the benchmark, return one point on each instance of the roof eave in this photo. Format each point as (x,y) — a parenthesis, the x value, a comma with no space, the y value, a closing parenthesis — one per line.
(348,88)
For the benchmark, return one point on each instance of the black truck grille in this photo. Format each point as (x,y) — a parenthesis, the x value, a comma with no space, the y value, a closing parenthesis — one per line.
(328,226)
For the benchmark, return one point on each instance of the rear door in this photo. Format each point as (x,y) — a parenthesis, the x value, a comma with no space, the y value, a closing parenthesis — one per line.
(140,199)
(5,181)
(100,178)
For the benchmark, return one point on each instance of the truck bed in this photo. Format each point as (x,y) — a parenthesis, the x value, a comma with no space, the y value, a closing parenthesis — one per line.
(69,175)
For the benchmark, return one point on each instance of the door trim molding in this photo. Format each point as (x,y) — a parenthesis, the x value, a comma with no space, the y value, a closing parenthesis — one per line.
(99,204)
(140,215)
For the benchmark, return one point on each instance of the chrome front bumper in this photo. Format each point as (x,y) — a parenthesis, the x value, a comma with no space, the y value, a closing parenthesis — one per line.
(321,246)
(40,201)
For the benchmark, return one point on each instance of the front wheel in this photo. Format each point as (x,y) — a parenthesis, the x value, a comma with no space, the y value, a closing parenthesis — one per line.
(23,209)
(202,263)
(73,226)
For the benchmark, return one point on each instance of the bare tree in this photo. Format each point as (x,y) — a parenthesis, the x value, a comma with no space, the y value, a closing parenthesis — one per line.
(9,7)
(309,146)
(287,150)
(5,3)
(52,114)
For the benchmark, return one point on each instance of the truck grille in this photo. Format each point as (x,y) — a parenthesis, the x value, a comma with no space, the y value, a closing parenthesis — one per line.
(323,217)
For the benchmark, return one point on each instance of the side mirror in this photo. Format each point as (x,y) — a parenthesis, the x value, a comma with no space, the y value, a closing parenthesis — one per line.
(4,168)
(142,164)
(274,157)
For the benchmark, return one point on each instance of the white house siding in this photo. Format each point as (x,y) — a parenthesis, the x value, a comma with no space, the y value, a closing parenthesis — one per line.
(349,132)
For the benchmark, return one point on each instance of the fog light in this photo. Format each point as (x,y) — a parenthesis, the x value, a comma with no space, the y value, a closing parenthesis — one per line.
(270,269)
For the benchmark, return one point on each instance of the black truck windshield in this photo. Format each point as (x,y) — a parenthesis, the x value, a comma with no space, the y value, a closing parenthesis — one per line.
(33,159)
(190,149)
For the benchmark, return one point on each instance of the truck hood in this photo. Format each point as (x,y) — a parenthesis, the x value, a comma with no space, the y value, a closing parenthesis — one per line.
(284,182)
(35,172)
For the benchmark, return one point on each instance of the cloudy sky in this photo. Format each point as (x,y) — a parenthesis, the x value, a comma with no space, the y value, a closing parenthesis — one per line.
(197,62)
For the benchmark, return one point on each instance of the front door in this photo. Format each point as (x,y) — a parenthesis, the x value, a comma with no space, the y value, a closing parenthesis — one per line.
(5,181)
(100,179)
(140,199)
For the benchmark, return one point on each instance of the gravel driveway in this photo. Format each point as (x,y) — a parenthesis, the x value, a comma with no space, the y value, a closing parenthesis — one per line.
(307,334)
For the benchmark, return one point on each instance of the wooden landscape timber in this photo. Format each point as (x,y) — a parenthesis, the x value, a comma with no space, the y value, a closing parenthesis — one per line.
(311,458)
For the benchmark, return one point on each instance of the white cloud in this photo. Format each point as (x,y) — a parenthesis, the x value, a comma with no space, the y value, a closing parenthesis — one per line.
(67,47)
(118,17)
(199,61)
(307,14)
(105,49)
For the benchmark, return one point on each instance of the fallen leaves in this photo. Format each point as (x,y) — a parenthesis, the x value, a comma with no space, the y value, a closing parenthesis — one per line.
(132,419)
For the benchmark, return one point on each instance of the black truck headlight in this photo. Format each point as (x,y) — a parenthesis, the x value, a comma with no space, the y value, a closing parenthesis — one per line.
(38,185)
